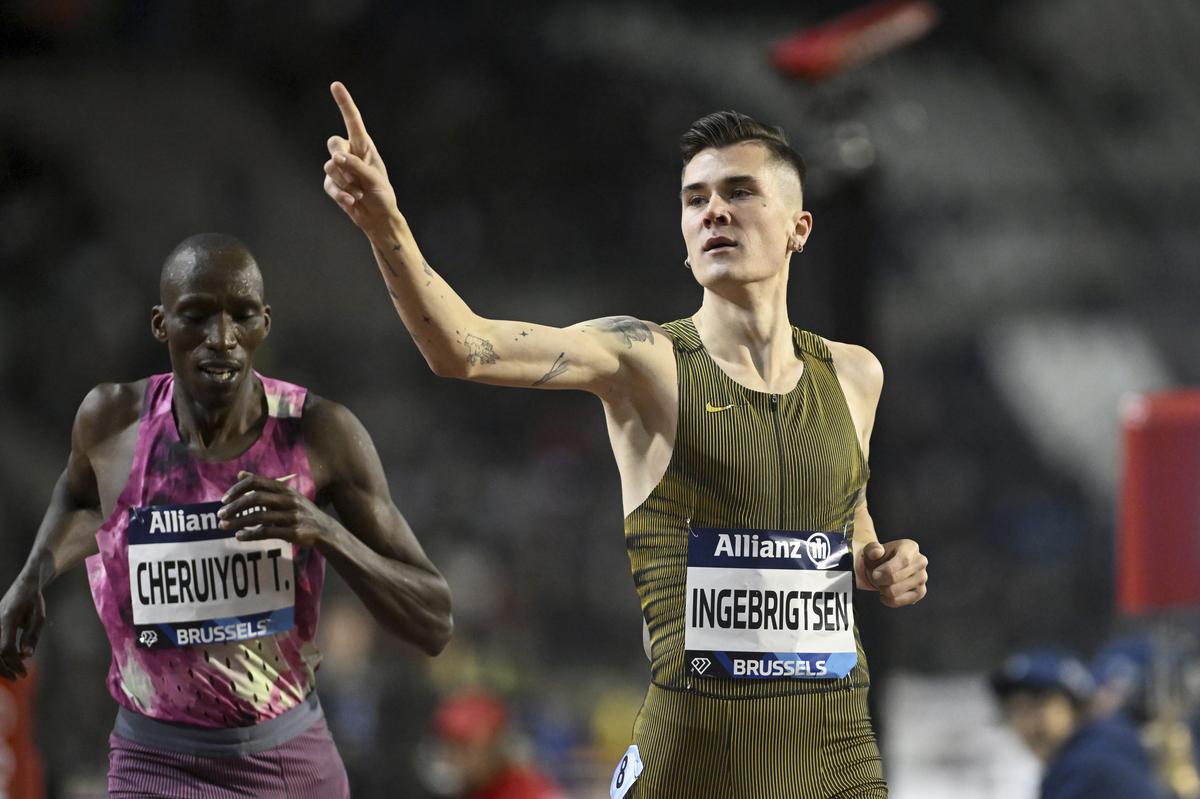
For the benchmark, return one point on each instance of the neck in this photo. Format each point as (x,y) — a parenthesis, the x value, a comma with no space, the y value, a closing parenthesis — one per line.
(207,427)
(747,329)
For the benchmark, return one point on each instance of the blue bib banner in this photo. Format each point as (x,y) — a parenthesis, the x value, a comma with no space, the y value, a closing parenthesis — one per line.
(769,604)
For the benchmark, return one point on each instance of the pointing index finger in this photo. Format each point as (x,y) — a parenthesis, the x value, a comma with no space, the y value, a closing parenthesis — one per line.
(355,128)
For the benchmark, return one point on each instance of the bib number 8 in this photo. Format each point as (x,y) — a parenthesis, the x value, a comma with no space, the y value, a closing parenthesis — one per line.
(628,770)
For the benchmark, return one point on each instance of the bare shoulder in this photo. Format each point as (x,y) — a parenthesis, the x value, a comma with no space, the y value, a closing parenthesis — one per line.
(643,351)
(330,427)
(857,368)
(108,410)
(339,447)
(627,335)
(629,330)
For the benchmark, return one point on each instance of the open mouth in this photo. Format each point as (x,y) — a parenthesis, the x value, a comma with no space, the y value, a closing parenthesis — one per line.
(220,371)
(719,243)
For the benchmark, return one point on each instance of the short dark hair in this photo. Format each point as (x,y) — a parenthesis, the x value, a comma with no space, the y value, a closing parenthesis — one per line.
(725,128)
(200,246)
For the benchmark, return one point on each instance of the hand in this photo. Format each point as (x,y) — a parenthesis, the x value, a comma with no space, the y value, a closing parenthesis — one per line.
(258,508)
(22,615)
(897,570)
(355,175)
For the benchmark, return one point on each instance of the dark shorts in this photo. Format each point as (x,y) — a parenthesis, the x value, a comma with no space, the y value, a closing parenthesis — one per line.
(304,766)
(816,745)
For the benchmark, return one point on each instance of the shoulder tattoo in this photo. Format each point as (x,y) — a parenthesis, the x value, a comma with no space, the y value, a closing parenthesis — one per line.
(629,328)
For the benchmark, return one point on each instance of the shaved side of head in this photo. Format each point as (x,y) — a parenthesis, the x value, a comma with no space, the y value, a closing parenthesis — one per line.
(207,251)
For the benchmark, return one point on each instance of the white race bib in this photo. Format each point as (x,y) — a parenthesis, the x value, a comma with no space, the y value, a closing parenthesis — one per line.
(193,583)
(628,770)
(769,604)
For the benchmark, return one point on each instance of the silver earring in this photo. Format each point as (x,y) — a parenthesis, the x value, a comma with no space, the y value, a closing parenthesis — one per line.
(687,264)
(800,248)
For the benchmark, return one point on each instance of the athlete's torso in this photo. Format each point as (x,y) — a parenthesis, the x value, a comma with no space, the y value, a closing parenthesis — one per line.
(742,460)
(215,683)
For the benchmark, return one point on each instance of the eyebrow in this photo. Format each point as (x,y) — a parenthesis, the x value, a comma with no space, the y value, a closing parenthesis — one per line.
(732,179)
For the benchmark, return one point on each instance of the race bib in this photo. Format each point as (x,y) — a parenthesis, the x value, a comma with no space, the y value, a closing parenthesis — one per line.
(193,583)
(626,774)
(769,604)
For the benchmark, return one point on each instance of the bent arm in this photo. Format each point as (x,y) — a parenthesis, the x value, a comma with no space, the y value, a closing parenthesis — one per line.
(65,537)
(374,549)
(896,569)
(864,535)
(67,533)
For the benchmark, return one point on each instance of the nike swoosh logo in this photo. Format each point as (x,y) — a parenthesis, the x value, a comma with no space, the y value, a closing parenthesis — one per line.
(708,406)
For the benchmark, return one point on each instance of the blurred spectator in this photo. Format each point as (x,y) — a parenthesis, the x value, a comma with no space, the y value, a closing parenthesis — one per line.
(1132,681)
(1122,671)
(473,754)
(1045,695)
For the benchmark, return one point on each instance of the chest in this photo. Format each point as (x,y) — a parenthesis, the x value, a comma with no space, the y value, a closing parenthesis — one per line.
(772,454)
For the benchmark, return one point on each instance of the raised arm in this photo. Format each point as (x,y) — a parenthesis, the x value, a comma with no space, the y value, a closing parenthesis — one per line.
(65,537)
(371,547)
(600,356)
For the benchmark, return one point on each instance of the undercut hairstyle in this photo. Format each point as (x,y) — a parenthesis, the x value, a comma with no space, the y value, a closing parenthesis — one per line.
(725,128)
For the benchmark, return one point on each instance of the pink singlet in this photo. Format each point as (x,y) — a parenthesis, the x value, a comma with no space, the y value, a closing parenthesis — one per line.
(210,631)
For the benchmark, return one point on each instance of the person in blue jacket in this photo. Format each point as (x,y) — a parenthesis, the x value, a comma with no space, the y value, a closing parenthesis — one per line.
(1045,695)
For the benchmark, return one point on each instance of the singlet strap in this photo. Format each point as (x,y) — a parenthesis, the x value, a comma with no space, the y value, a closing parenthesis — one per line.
(811,344)
(684,335)
(284,400)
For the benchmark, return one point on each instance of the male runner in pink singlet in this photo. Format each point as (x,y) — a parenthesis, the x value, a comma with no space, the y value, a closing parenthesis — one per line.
(203,488)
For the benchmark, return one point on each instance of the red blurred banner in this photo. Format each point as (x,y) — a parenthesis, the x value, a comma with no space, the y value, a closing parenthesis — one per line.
(854,38)
(1158,533)
(20,764)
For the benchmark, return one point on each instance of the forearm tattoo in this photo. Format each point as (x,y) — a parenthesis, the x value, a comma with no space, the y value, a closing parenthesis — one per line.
(630,329)
(557,368)
(425,267)
(388,264)
(479,350)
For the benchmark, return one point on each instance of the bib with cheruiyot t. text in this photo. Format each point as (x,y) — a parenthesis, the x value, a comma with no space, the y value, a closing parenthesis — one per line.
(769,604)
(193,583)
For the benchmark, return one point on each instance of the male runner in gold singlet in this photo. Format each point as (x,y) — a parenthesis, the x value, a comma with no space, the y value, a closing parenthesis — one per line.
(742,445)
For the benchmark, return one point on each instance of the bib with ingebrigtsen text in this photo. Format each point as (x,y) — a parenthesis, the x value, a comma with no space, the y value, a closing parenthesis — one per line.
(768,604)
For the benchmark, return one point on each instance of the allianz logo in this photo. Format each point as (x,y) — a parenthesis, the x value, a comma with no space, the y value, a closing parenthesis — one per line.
(742,545)
(180,521)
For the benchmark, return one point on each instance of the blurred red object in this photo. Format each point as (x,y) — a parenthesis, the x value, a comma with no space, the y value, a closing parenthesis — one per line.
(20,764)
(854,38)
(470,718)
(1158,534)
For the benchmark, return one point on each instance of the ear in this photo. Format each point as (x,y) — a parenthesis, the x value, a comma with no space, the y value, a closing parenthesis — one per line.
(802,222)
(158,324)
(266,320)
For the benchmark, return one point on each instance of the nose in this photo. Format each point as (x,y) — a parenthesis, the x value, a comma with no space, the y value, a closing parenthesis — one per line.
(222,333)
(717,211)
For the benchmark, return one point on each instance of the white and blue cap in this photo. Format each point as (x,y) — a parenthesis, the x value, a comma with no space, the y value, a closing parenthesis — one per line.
(1044,670)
